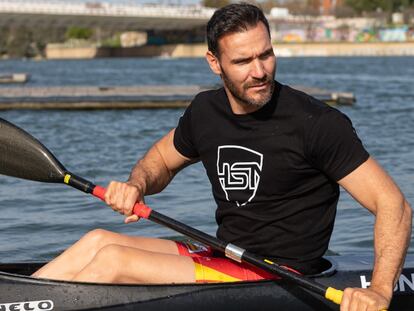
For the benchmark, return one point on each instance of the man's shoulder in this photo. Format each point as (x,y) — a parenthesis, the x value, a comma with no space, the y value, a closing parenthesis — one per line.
(300,98)
(298,102)
(207,102)
(212,95)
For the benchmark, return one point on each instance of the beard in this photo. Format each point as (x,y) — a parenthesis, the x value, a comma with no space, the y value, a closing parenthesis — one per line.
(240,93)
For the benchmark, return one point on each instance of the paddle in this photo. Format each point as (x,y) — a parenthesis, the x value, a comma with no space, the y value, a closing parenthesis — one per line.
(23,156)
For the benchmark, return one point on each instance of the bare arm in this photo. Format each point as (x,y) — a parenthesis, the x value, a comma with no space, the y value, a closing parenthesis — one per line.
(155,170)
(371,186)
(150,175)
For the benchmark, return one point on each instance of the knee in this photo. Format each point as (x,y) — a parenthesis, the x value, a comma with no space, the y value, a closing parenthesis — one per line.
(106,266)
(111,252)
(97,238)
(111,259)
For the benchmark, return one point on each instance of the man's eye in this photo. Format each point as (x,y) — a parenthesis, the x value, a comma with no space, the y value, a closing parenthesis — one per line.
(266,55)
(242,61)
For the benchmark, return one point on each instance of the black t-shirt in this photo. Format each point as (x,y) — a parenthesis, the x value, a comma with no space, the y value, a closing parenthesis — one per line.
(273,172)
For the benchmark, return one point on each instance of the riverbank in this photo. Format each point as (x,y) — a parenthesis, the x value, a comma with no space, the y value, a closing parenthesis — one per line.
(57,51)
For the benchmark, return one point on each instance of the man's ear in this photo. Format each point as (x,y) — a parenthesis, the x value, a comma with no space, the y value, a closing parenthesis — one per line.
(213,63)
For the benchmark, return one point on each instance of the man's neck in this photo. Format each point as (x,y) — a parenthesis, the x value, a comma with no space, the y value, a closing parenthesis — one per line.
(239,107)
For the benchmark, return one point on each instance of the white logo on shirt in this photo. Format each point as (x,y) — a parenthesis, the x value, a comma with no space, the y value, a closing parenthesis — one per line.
(238,169)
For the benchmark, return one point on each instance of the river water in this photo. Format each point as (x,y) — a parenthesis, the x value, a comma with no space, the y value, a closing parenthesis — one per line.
(40,220)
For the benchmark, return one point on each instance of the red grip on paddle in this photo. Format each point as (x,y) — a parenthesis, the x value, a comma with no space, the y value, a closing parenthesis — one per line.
(99,192)
(141,210)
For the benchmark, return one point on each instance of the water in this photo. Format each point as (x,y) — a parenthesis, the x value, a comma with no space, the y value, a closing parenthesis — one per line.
(39,220)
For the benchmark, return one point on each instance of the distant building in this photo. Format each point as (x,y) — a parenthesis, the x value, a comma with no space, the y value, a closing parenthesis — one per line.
(328,7)
(279,12)
(133,38)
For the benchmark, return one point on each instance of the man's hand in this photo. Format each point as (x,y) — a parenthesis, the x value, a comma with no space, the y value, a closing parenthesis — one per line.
(122,196)
(364,299)
(150,175)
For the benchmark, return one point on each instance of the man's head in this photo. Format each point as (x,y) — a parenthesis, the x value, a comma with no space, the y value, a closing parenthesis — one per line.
(231,19)
(240,51)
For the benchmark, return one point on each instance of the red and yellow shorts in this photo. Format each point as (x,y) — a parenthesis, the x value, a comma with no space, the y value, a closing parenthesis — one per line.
(209,268)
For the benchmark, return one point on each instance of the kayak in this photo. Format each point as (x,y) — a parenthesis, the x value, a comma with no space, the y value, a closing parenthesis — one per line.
(19,291)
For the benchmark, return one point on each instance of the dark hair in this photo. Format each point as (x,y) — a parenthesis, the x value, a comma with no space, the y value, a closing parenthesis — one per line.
(237,17)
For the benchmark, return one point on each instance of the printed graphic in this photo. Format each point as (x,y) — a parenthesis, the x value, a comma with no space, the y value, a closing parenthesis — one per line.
(239,169)
(405,283)
(42,305)
(195,247)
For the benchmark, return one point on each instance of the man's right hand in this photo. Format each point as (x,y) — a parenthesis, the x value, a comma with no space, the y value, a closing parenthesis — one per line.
(122,196)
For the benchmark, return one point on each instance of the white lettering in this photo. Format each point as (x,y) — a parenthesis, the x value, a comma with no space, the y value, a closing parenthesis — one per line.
(364,282)
(403,280)
(42,305)
(404,283)
(28,307)
(239,179)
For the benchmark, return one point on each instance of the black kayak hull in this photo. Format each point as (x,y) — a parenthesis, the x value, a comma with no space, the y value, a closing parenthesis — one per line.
(20,292)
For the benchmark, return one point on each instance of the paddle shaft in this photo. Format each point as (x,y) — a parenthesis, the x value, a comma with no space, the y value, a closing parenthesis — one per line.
(231,251)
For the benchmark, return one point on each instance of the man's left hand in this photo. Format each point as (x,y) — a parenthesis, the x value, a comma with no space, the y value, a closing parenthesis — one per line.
(358,299)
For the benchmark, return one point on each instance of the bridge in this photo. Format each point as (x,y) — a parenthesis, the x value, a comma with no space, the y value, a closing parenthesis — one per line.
(122,15)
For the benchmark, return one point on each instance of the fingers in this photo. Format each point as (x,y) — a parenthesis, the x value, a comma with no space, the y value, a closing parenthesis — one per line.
(132,218)
(346,299)
(358,299)
(121,197)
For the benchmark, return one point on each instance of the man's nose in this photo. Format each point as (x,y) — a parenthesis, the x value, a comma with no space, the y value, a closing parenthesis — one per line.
(257,70)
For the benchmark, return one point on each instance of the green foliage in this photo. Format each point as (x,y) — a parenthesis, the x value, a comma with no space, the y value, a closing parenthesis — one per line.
(113,42)
(79,33)
(19,43)
(3,41)
(215,3)
(384,5)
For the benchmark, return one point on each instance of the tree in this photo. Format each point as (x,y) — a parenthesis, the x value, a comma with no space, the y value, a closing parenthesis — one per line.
(79,33)
(384,5)
(215,3)
(19,42)
(3,40)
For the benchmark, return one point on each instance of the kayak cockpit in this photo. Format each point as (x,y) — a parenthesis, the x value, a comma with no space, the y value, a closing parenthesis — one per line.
(25,269)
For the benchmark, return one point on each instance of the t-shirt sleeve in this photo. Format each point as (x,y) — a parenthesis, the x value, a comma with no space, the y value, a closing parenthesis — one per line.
(183,136)
(334,146)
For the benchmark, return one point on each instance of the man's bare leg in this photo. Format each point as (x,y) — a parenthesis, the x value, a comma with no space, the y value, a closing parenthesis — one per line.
(122,264)
(75,258)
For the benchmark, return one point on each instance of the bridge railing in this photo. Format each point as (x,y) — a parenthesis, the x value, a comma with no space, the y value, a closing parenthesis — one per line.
(102,9)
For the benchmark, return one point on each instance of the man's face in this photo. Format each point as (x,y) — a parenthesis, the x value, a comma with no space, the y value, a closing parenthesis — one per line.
(247,66)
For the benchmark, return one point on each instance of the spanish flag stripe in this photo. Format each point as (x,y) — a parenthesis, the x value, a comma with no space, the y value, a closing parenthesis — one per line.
(206,274)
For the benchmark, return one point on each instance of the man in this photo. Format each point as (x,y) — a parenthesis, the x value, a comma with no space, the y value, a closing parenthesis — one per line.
(274,157)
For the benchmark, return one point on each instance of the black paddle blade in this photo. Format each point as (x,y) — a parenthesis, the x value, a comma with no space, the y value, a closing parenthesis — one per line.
(23,156)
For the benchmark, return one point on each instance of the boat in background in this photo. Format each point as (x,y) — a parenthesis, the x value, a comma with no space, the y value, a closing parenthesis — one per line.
(14,78)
